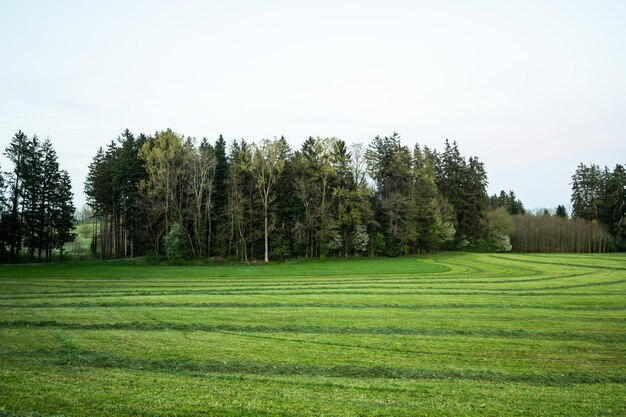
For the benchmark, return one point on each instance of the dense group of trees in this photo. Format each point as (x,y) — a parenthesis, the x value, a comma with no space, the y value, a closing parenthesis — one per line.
(551,232)
(597,222)
(36,208)
(169,194)
(186,199)
(508,202)
(599,195)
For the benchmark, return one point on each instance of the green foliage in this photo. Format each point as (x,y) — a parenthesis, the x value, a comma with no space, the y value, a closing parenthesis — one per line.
(176,244)
(260,200)
(509,202)
(500,220)
(463,183)
(360,238)
(600,195)
(500,241)
(561,211)
(39,215)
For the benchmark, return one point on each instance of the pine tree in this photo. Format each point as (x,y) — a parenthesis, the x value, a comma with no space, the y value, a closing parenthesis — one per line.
(128,174)
(587,191)
(561,211)
(463,183)
(49,186)
(220,199)
(32,195)
(16,153)
(616,205)
(63,213)
(389,164)
(433,220)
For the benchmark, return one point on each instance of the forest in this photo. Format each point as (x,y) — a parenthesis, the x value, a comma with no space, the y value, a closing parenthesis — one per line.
(36,207)
(179,198)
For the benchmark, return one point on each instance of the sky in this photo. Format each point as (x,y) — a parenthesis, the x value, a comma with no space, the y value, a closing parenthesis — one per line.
(533,88)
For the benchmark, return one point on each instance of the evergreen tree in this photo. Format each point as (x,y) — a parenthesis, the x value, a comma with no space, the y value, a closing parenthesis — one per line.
(561,211)
(433,217)
(40,212)
(616,205)
(128,173)
(509,201)
(220,198)
(32,195)
(50,186)
(463,183)
(63,213)
(285,208)
(389,164)
(16,152)
(587,191)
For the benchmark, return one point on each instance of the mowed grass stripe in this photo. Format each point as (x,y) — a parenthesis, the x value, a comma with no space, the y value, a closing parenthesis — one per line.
(494,293)
(311,329)
(331,267)
(554,263)
(80,358)
(408,288)
(282,305)
(408,282)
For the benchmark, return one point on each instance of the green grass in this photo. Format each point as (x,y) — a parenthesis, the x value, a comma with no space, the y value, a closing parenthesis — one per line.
(445,335)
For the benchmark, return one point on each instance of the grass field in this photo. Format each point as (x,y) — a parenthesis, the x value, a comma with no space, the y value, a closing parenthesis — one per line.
(449,335)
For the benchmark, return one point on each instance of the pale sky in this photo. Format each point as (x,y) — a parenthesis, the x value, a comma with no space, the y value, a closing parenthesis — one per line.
(532,88)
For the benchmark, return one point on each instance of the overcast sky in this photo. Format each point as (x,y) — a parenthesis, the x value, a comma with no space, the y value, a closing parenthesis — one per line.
(532,88)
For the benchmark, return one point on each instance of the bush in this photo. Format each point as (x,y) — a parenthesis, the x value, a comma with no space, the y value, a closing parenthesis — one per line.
(500,241)
(176,244)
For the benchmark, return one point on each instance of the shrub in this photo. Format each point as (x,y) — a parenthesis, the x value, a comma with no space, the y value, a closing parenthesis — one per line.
(176,244)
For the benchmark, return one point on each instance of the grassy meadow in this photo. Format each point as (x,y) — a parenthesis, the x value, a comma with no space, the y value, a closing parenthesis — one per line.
(445,335)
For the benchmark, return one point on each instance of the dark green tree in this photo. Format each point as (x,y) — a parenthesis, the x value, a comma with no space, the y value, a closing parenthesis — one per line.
(463,183)
(221,231)
(128,172)
(561,211)
(16,152)
(587,192)
(389,165)
(509,201)
(616,205)
(63,213)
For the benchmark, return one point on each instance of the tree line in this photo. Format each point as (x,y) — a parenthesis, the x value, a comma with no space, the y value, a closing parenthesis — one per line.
(176,196)
(173,195)
(36,208)
(599,195)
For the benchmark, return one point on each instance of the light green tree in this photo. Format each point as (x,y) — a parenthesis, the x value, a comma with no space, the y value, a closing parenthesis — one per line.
(267,164)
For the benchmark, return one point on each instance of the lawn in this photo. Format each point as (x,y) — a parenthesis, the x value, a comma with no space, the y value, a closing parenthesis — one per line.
(444,335)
